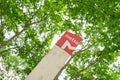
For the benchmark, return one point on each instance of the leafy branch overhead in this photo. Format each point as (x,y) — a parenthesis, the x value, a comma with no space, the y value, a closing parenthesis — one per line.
(27,28)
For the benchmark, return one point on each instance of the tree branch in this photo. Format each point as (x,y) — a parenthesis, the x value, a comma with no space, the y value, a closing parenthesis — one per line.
(93,62)
(56,77)
(27,25)
(1,52)
(44,17)
(17,34)
(78,72)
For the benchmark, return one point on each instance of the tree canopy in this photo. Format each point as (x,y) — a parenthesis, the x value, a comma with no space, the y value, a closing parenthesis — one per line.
(27,28)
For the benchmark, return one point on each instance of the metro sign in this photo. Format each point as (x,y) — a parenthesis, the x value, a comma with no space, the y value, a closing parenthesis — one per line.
(53,62)
(69,42)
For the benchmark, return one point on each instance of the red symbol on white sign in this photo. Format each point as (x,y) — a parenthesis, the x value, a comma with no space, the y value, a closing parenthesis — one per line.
(69,42)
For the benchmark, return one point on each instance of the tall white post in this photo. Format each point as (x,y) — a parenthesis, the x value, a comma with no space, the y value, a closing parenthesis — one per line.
(52,63)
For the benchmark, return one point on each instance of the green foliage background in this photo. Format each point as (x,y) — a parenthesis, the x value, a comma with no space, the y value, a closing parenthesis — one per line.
(35,22)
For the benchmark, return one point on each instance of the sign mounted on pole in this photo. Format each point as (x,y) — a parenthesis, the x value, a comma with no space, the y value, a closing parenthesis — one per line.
(52,63)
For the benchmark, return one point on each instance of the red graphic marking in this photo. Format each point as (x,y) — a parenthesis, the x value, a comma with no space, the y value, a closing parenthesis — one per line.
(69,42)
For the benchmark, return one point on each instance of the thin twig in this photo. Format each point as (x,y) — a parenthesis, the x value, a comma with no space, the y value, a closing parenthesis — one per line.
(78,72)
(93,62)
(1,52)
